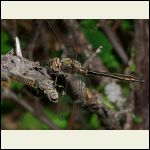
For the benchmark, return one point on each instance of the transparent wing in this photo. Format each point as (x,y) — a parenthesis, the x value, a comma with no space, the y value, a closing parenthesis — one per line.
(63,35)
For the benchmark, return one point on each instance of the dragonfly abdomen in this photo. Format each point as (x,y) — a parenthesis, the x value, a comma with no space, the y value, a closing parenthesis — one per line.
(124,77)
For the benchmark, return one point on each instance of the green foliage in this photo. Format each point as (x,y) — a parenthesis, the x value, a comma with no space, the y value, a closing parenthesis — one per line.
(137,119)
(61,122)
(132,68)
(28,121)
(107,103)
(126,90)
(97,38)
(16,85)
(22,43)
(94,121)
(57,53)
(99,88)
(7,107)
(5,43)
(127,25)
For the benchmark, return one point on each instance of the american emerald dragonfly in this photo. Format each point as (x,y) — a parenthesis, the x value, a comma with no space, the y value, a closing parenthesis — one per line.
(68,65)
(71,65)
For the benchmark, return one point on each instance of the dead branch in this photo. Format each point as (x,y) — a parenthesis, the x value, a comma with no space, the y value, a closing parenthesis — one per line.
(28,72)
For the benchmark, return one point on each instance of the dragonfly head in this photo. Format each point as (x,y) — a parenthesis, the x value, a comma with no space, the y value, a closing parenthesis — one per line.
(55,64)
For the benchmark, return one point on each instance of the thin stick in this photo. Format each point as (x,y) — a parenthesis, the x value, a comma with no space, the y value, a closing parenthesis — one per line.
(18,48)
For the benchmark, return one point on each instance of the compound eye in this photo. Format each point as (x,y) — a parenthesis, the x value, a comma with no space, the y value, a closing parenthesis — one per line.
(55,65)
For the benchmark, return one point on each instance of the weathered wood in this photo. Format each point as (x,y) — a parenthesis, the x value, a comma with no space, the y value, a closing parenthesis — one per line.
(29,73)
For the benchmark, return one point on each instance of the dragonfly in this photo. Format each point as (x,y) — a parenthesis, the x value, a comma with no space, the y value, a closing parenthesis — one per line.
(68,65)
(73,66)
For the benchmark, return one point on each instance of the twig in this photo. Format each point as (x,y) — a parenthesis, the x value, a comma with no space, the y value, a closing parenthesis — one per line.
(18,48)
(72,116)
(89,60)
(32,42)
(115,41)
(116,25)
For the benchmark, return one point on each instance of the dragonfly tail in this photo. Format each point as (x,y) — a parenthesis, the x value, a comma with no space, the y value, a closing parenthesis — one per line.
(117,76)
